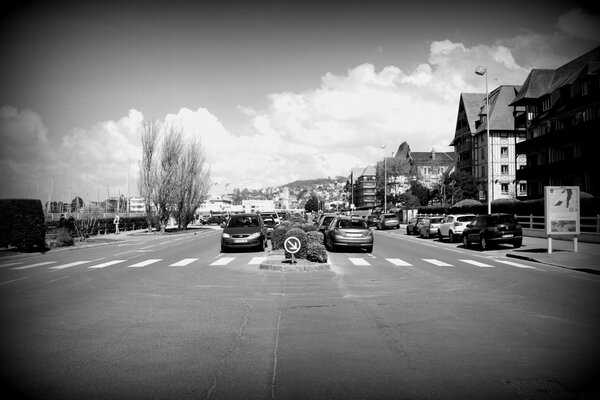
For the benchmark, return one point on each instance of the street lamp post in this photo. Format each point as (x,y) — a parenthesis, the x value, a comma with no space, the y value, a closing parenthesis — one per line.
(480,70)
(384,182)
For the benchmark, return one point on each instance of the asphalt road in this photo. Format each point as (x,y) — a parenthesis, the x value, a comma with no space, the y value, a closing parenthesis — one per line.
(173,318)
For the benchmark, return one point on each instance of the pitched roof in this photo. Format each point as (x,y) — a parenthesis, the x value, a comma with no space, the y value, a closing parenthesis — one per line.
(501,114)
(471,103)
(540,82)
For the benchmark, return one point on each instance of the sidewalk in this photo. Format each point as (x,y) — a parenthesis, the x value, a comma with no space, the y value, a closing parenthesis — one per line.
(587,257)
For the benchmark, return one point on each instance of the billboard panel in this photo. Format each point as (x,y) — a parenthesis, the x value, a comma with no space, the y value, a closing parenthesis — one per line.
(561,204)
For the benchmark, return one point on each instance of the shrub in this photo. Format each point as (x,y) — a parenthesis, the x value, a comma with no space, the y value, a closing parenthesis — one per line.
(23,224)
(315,237)
(308,227)
(61,237)
(316,252)
(278,235)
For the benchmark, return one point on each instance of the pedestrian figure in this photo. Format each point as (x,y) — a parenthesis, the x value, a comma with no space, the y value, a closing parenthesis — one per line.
(116,222)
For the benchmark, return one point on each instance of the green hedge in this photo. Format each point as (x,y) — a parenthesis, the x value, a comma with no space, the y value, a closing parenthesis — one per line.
(23,224)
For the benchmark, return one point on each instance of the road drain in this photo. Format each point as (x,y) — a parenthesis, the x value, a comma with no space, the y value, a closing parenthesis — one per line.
(537,389)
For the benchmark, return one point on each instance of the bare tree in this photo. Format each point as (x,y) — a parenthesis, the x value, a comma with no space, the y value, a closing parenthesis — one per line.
(148,181)
(174,176)
(193,182)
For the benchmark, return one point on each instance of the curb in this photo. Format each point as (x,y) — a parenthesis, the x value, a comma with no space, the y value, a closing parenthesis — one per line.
(278,262)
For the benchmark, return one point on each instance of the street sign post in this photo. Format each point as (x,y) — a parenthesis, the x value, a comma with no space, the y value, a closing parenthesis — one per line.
(292,245)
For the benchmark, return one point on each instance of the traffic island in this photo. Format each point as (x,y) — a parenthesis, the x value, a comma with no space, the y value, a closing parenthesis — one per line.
(276,261)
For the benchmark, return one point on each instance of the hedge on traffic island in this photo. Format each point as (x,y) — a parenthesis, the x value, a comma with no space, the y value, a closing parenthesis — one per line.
(23,224)
(311,241)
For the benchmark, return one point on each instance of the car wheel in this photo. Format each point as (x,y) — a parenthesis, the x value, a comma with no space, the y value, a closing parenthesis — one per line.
(223,249)
(484,244)
(451,237)
(407,231)
(439,235)
(465,241)
(518,244)
(369,249)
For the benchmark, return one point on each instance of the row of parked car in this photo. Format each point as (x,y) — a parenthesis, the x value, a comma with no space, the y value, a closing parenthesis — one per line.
(487,229)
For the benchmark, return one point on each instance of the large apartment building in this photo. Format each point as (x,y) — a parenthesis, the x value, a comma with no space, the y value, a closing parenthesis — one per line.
(557,111)
(471,144)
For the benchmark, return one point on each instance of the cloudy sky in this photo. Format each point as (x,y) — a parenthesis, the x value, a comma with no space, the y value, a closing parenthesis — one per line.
(277,91)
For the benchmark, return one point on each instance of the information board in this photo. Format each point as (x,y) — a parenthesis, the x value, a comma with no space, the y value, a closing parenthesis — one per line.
(562,210)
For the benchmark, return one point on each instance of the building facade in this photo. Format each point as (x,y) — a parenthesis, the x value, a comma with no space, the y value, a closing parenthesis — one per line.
(364,187)
(472,148)
(427,168)
(558,111)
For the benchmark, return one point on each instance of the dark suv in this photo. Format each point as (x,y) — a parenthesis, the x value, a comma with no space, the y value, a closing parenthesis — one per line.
(492,229)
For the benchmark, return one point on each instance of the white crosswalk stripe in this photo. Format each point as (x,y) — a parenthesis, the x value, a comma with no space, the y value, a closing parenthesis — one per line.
(398,262)
(518,265)
(359,261)
(437,262)
(257,260)
(183,262)
(35,265)
(477,263)
(223,261)
(69,265)
(106,264)
(145,263)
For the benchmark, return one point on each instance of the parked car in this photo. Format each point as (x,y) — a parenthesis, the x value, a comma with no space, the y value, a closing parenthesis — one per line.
(491,229)
(324,220)
(346,231)
(372,219)
(244,231)
(270,225)
(386,221)
(412,227)
(453,226)
(271,214)
(429,226)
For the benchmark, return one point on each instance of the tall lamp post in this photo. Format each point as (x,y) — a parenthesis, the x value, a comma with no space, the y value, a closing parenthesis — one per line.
(384,182)
(481,71)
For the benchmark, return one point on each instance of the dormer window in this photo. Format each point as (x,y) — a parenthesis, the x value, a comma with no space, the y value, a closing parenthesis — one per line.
(546,104)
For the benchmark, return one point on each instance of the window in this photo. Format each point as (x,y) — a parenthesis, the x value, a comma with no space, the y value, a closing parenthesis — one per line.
(546,104)
(483,154)
(504,151)
(504,188)
(522,187)
(504,169)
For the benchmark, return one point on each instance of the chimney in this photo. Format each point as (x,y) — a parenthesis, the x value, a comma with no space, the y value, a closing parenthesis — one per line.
(433,154)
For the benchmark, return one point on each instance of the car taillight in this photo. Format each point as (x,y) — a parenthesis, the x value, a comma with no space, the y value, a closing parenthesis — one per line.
(457,224)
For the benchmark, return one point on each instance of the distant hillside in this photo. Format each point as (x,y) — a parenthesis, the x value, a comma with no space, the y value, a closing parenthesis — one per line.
(315,182)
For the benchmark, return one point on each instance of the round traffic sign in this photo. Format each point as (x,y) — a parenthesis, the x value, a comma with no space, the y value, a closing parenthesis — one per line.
(292,244)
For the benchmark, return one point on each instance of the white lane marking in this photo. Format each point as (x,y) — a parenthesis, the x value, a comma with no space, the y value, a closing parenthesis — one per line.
(437,262)
(359,261)
(477,263)
(69,265)
(144,263)
(14,280)
(223,261)
(257,260)
(106,264)
(514,264)
(35,265)
(398,262)
(184,262)
(11,264)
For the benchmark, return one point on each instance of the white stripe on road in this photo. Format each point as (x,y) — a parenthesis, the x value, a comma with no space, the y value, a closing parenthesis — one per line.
(144,263)
(106,264)
(257,260)
(184,262)
(477,263)
(398,262)
(359,261)
(223,261)
(514,264)
(11,264)
(437,262)
(69,265)
(35,265)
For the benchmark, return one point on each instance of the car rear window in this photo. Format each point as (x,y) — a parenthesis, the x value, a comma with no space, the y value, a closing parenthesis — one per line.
(390,216)
(353,224)
(503,219)
(436,220)
(465,219)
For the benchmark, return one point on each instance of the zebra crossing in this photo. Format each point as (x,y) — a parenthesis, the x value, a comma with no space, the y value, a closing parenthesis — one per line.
(257,260)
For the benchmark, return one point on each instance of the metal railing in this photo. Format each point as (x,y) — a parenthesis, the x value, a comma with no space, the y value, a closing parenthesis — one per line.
(587,224)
